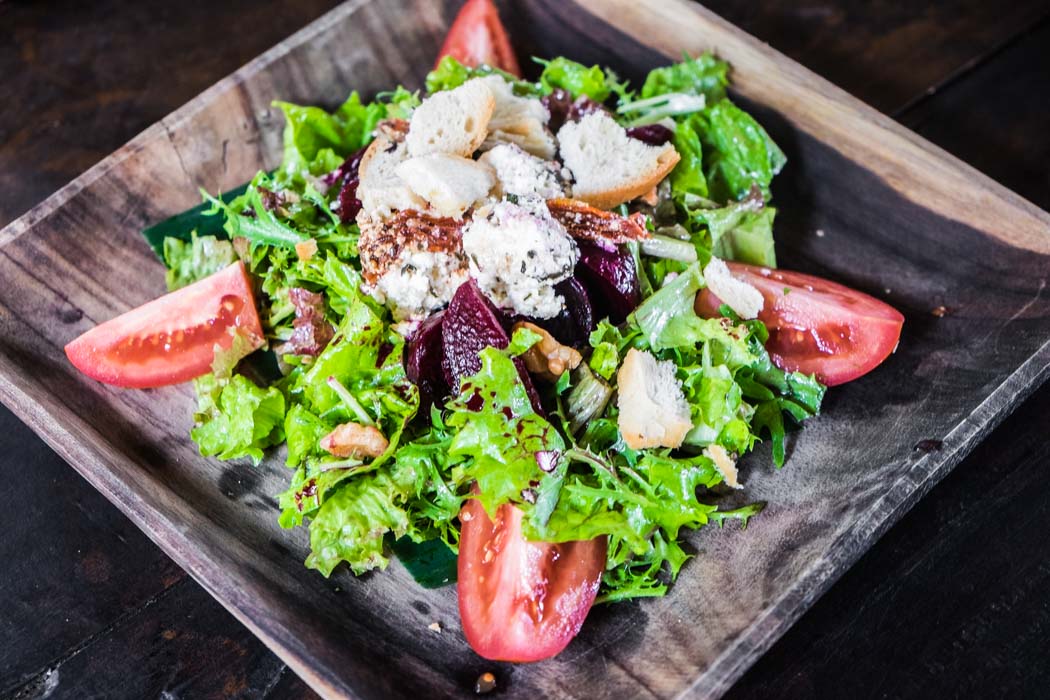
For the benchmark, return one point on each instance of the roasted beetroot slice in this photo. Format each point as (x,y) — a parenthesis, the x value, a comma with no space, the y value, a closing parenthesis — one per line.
(611,279)
(346,171)
(574,324)
(423,359)
(652,134)
(470,325)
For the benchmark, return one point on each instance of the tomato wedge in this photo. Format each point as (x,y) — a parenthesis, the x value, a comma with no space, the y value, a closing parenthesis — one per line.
(817,326)
(521,600)
(477,37)
(171,339)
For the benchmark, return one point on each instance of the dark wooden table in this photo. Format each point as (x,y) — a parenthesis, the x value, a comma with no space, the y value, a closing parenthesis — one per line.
(951,602)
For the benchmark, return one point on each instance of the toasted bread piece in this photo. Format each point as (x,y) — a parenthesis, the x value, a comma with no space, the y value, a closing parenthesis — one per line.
(450,184)
(610,167)
(521,121)
(380,189)
(737,294)
(653,410)
(455,121)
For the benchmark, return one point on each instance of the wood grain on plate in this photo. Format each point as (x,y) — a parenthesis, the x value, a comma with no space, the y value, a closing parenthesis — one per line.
(896,213)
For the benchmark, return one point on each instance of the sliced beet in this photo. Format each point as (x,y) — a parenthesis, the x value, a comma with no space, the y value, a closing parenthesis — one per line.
(423,359)
(346,171)
(563,108)
(611,278)
(470,325)
(652,134)
(574,324)
(345,178)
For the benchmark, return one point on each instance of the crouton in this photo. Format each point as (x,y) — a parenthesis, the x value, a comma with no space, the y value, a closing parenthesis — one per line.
(653,410)
(455,121)
(521,121)
(450,184)
(380,189)
(608,166)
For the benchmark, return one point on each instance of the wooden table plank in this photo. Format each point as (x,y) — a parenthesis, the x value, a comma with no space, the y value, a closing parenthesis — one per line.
(884,52)
(952,602)
(92,79)
(80,79)
(73,565)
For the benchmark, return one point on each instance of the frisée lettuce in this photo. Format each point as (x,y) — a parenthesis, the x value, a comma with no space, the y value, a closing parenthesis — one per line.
(561,459)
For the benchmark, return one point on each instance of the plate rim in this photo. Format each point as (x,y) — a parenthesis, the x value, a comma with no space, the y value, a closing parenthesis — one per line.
(920,472)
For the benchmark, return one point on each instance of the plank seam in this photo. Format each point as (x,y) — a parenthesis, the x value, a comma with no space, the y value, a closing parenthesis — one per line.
(32,680)
(966,69)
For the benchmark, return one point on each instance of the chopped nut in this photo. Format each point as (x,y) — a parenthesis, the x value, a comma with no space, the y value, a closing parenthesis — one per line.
(355,440)
(548,358)
(940,311)
(725,464)
(486,683)
(306,249)
(435,626)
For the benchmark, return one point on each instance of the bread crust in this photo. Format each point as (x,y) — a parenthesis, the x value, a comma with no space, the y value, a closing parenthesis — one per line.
(607,199)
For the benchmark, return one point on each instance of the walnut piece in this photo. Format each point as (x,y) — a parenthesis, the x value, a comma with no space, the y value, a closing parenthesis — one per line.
(355,440)
(548,358)
(305,250)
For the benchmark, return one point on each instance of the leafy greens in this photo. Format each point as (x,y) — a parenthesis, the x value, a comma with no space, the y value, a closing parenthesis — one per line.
(571,474)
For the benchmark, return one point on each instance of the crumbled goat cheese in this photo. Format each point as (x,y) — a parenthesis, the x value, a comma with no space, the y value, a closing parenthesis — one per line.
(518,253)
(419,282)
(524,175)
(740,296)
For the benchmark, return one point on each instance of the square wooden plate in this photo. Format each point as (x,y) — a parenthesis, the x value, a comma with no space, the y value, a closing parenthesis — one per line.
(863,201)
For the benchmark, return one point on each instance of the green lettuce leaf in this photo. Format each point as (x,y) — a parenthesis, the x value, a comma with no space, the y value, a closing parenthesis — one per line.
(410,498)
(316,141)
(688,174)
(189,261)
(352,523)
(576,79)
(499,434)
(366,361)
(704,75)
(667,319)
(235,418)
(738,152)
(450,74)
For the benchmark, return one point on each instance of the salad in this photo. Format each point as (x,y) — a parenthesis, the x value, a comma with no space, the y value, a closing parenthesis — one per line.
(516,332)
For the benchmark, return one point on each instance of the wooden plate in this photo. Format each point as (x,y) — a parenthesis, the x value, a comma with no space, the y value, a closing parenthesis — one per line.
(862,201)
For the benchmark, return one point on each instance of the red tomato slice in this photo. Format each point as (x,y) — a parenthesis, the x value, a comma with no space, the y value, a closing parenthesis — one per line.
(477,37)
(816,326)
(520,600)
(171,339)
